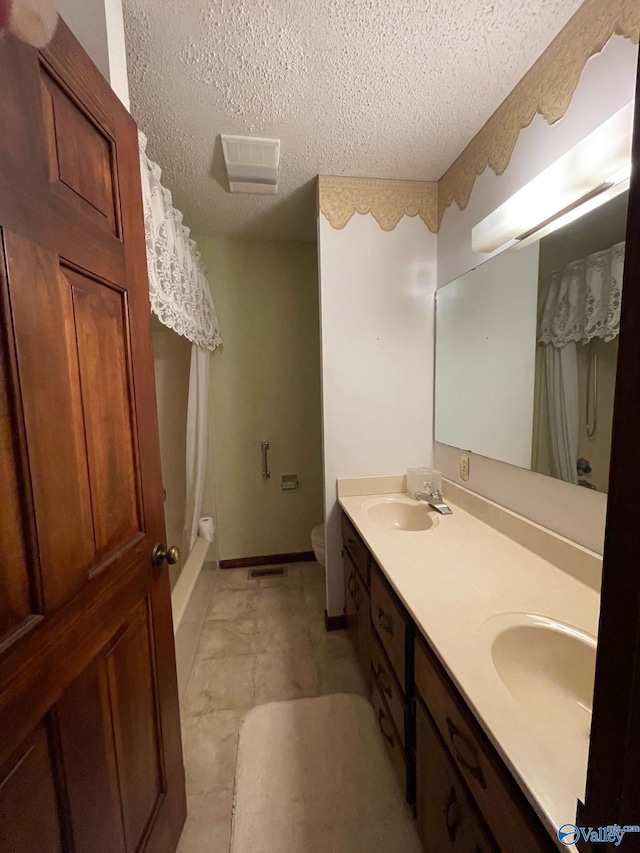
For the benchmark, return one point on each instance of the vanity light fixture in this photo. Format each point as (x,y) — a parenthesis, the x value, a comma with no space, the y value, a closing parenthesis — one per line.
(586,176)
(602,195)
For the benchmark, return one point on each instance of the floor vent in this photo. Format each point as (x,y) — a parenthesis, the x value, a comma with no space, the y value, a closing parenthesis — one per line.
(268,572)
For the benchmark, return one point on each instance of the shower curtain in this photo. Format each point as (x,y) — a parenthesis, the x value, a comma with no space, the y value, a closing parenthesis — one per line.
(577,304)
(197,441)
(181,299)
(561,374)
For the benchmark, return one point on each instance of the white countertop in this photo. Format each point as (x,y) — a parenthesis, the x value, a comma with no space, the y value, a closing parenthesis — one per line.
(453,578)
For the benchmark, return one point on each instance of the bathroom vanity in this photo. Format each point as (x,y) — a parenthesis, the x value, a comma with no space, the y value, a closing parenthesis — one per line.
(476,632)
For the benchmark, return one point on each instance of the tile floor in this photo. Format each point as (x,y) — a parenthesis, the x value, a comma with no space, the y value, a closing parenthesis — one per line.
(263,641)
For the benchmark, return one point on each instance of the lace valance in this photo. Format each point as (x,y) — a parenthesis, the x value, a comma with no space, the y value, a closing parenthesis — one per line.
(178,287)
(582,301)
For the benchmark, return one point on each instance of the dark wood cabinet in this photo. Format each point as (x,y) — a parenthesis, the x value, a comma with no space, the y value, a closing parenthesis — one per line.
(465,798)
(447,818)
(357,612)
(362,627)
(356,549)
(349,597)
(393,740)
(381,633)
(382,672)
(391,623)
(478,766)
(391,673)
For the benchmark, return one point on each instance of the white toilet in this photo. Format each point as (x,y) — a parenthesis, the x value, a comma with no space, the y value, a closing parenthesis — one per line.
(317,543)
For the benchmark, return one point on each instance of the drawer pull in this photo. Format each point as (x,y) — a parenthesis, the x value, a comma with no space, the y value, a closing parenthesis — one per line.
(382,676)
(460,745)
(388,737)
(385,620)
(351,583)
(452,823)
(356,598)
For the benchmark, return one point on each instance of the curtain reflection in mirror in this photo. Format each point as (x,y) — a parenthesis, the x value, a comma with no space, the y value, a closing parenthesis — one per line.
(578,325)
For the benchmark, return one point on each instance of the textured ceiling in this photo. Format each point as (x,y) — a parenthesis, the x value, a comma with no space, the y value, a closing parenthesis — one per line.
(371,88)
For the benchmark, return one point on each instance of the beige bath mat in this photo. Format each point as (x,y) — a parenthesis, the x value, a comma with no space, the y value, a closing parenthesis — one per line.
(313,777)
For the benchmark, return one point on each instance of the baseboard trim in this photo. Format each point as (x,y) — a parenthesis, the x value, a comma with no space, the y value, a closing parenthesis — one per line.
(334,623)
(268,560)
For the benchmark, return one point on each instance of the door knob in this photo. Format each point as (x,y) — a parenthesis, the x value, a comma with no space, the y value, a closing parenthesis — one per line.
(171,555)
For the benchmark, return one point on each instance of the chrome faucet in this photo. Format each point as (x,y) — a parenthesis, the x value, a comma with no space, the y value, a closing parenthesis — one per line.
(435,500)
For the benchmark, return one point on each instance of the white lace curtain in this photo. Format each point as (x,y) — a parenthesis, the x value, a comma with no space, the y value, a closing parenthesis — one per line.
(181,299)
(582,301)
(577,305)
(178,287)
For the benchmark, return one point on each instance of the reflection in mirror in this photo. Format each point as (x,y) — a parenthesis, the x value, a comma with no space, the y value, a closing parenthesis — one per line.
(580,290)
(526,351)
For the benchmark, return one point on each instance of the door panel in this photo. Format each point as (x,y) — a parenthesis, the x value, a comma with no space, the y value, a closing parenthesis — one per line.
(80,155)
(43,326)
(22,150)
(37,667)
(17,597)
(133,710)
(84,723)
(29,815)
(89,709)
(100,317)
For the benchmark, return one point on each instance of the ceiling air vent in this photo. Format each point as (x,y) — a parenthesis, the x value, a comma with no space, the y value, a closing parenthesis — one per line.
(252,163)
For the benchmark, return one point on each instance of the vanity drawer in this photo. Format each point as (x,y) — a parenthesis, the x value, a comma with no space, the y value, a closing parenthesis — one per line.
(504,806)
(388,684)
(357,549)
(389,735)
(363,627)
(447,818)
(390,622)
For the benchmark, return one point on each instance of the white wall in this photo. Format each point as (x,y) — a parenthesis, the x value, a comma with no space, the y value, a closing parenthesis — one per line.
(87,21)
(377,297)
(99,27)
(118,76)
(486,357)
(607,84)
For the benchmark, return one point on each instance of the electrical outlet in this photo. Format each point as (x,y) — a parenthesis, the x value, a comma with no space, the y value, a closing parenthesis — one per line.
(464,467)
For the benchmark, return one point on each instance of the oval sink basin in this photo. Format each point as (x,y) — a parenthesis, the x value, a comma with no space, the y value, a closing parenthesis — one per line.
(549,669)
(398,515)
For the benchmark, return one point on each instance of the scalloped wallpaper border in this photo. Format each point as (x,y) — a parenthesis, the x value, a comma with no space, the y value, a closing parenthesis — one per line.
(546,89)
(386,200)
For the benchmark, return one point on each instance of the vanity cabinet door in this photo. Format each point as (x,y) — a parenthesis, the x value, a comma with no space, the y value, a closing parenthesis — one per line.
(362,604)
(390,621)
(493,788)
(383,673)
(392,739)
(350,614)
(447,819)
(356,548)
(357,611)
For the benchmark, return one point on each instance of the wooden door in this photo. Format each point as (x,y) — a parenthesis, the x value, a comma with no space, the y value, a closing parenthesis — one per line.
(613,776)
(90,752)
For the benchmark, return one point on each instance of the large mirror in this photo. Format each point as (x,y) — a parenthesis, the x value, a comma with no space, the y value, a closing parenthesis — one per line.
(526,350)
